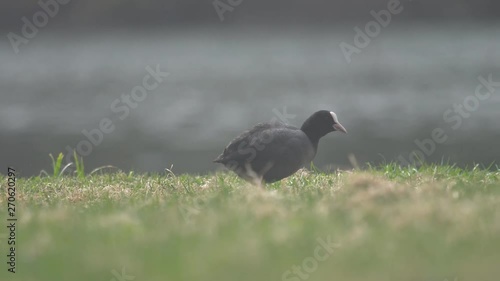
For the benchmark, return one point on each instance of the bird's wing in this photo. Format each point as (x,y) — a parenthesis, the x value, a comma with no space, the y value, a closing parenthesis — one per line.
(238,149)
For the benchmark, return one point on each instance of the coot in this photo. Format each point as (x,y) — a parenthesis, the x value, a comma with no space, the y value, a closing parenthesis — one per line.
(272,151)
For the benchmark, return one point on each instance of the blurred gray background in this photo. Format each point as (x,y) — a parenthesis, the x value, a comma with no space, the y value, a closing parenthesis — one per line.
(230,72)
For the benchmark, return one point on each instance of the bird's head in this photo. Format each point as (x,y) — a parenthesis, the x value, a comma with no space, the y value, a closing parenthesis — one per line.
(336,125)
(321,123)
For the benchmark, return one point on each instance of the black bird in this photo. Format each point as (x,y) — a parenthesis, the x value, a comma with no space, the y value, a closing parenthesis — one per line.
(273,151)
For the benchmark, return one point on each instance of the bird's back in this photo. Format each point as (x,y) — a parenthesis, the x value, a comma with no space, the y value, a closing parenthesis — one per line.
(271,150)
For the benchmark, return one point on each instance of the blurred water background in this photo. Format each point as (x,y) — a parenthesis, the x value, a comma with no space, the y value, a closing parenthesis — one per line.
(224,79)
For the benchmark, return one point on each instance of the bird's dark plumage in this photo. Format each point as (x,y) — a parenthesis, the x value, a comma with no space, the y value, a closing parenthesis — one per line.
(273,151)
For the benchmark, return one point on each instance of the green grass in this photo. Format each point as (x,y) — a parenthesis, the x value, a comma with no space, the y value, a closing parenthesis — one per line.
(388,223)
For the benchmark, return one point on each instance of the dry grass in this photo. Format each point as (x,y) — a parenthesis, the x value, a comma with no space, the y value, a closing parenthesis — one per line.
(390,223)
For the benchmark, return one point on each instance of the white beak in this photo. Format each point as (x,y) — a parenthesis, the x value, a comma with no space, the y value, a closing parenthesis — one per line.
(339,127)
